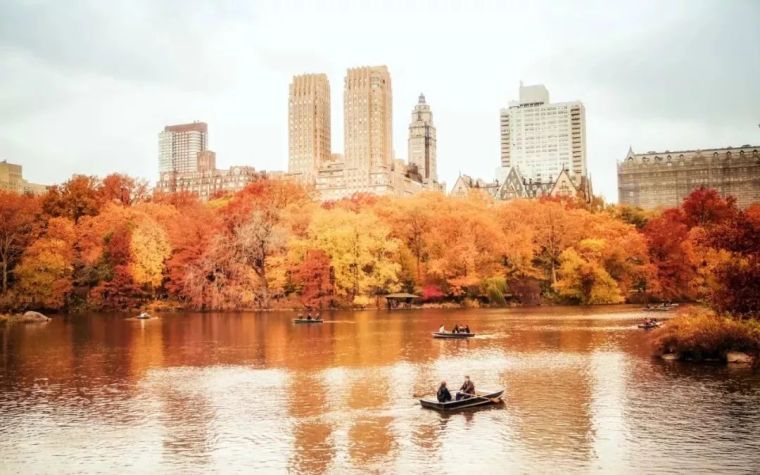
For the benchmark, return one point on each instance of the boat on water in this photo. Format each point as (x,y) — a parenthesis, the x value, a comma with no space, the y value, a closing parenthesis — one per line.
(143,316)
(660,308)
(307,320)
(650,325)
(482,398)
(452,335)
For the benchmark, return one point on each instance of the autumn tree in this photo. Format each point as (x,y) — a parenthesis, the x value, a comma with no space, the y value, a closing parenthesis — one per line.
(45,271)
(313,276)
(361,250)
(19,216)
(123,189)
(80,196)
(583,279)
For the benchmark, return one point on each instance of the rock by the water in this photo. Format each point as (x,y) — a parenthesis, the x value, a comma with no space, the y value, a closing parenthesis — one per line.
(671,356)
(30,317)
(737,357)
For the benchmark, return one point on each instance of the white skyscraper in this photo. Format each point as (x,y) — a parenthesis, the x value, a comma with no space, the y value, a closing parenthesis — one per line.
(422,141)
(540,138)
(179,146)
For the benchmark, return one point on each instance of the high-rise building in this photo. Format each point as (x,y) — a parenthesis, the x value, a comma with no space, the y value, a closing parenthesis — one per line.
(541,138)
(179,146)
(422,141)
(663,179)
(309,136)
(368,113)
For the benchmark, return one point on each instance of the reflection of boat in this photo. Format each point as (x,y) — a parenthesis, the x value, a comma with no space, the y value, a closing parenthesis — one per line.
(143,316)
(307,320)
(649,326)
(452,335)
(481,399)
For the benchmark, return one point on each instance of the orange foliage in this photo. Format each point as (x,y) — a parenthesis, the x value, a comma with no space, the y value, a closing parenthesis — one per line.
(108,244)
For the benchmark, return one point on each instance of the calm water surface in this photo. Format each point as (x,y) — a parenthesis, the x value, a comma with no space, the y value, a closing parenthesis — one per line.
(200,393)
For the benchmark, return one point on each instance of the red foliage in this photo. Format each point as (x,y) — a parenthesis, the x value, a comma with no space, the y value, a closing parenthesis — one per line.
(666,236)
(18,224)
(705,207)
(432,293)
(314,276)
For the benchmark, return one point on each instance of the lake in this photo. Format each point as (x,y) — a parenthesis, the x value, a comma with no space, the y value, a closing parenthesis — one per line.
(198,393)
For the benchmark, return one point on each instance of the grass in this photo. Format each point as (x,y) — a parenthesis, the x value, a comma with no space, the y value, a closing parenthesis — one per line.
(703,336)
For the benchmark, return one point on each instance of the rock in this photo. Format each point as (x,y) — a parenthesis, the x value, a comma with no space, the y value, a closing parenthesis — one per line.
(671,356)
(31,317)
(737,357)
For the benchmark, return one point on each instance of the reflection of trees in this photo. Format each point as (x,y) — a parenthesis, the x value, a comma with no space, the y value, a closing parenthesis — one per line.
(313,448)
(551,410)
(371,440)
(186,417)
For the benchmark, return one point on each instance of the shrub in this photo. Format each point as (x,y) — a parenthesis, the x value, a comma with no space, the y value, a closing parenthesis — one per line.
(705,335)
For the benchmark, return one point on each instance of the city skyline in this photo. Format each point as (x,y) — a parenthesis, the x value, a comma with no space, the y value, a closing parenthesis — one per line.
(93,103)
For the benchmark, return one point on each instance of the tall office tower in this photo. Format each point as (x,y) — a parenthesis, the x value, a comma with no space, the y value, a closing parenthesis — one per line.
(179,146)
(368,112)
(308,124)
(422,141)
(542,138)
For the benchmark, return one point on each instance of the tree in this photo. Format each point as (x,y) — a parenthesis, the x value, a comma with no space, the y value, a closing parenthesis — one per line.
(150,249)
(361,250)
(123,189)
(314,277)
(672,254)
(582,279)
(705,207)
(45,271)
(78,197)
(18,225)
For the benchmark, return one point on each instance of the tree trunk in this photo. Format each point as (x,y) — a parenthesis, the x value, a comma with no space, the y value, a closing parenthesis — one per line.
(5,276)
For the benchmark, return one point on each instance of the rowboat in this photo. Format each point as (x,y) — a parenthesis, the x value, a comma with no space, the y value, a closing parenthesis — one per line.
(649,326)
(452,335)
(481,399)
(658,308)
(306,320)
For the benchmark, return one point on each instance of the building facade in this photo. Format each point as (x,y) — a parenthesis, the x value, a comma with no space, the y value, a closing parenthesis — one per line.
(510,185)
(309,135)
(541,138)
(663,179)
(179,146)
(422,142)
(368,118)
(12,179)
(208,183)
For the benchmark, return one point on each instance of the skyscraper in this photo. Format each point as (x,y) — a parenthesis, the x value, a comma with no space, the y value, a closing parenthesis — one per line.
(179,146)
(422,141)
(541,138)
(309,145)
(368,112)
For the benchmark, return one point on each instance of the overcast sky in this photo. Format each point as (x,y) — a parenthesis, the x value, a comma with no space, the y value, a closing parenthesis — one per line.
(85,87)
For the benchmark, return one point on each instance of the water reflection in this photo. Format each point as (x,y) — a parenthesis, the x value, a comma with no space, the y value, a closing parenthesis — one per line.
(206,392)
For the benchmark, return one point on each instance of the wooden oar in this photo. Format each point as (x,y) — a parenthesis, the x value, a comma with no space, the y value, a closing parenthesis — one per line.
(494,400)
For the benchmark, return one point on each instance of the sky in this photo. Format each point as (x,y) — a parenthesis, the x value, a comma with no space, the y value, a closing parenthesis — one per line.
(86,86)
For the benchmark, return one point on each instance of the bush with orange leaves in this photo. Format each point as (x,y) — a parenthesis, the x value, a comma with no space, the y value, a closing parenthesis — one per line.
(703,335)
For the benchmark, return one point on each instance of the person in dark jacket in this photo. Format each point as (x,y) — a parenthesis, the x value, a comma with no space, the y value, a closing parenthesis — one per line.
(467,390)
(443,393)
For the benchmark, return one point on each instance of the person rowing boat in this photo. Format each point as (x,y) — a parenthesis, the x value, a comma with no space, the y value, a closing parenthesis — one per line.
(467,390)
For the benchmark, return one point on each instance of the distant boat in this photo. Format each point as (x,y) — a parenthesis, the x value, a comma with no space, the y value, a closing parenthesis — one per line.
(143,316)
(649,326)
(480,399)
(307,320)
(452,335)
(660,308)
